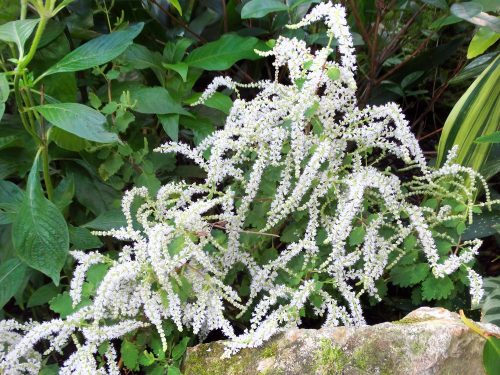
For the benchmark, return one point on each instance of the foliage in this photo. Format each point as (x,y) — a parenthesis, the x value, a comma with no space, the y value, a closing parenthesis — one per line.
(88,90)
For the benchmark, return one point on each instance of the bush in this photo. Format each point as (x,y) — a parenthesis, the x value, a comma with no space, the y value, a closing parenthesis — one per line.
(306,201)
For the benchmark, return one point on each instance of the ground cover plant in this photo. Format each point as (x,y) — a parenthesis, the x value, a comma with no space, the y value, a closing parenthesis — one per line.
(300,198)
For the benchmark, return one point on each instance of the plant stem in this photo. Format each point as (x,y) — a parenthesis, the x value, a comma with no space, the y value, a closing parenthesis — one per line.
(46,174)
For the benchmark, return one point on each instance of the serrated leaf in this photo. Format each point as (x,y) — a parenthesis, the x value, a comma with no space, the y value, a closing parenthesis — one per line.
(39,233)
(405,276)
(261,8)
(433,288)
(12,273)
(223,53)
(357,236)
(130,354)
(78,119)
(18,32)
(97,51)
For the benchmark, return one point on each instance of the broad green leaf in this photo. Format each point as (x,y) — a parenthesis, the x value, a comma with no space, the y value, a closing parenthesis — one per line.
(155,100)
(97,51)
(39,232)
(409,275)
(491,355)
(433,288)
(130,354)
(475,114)
(466,9)
(43,295)
(472,12)
(11,279)
(261,8)
(18,32)
(140,57)
(4,88)
(490,305)
(357,236)
(170,124)
(172,370)
(66,140)
(489,138)
(11,198)
(78,119)
(179,349)
(82,239)
(180,68)
(223,53)
(63,304)
(217,101)
(176,245)
(110,219)
(176,5)
(483,39)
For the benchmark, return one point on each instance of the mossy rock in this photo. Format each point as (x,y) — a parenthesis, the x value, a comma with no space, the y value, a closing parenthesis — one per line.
(427,341)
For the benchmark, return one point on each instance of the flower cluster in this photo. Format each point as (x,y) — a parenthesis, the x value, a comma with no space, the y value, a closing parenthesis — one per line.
(185,242)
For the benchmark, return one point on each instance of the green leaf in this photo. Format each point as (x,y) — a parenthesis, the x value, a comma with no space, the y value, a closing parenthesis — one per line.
(130,354)
(78,119)
(176,5)
(433,288)
(490,306)
(11,198)
(110,219)
(405,276)
(333,73)
(466,9)
(491,355)
(43,295)
(172,370)
(176,245)
(18,32)
(357,236)
(475,114)
(146,358)
(62,304)
(483,39)
(170,124)
(489,138)
(66,140)
(39,233)
(179,349)
(223,53)
(155,100)
(82,239)
(472,12)
(181,68)
(261,8)
(96,52)
(12,273)
(4,89)
(217,101)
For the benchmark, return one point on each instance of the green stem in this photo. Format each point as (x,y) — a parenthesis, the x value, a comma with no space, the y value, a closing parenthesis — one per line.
(34,45)
(24,9)
(46,174)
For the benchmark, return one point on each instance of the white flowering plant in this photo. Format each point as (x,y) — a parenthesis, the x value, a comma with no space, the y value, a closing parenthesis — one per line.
(309,205)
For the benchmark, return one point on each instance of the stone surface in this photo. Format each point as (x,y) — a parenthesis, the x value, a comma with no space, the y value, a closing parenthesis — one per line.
(426,341)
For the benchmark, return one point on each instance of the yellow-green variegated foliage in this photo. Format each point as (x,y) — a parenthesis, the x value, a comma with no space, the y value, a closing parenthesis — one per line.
(477,113)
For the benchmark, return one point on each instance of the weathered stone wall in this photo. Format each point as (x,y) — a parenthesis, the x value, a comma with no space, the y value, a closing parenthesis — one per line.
(427,341)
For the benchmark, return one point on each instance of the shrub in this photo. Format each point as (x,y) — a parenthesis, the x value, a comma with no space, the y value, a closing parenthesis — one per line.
(307,197)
